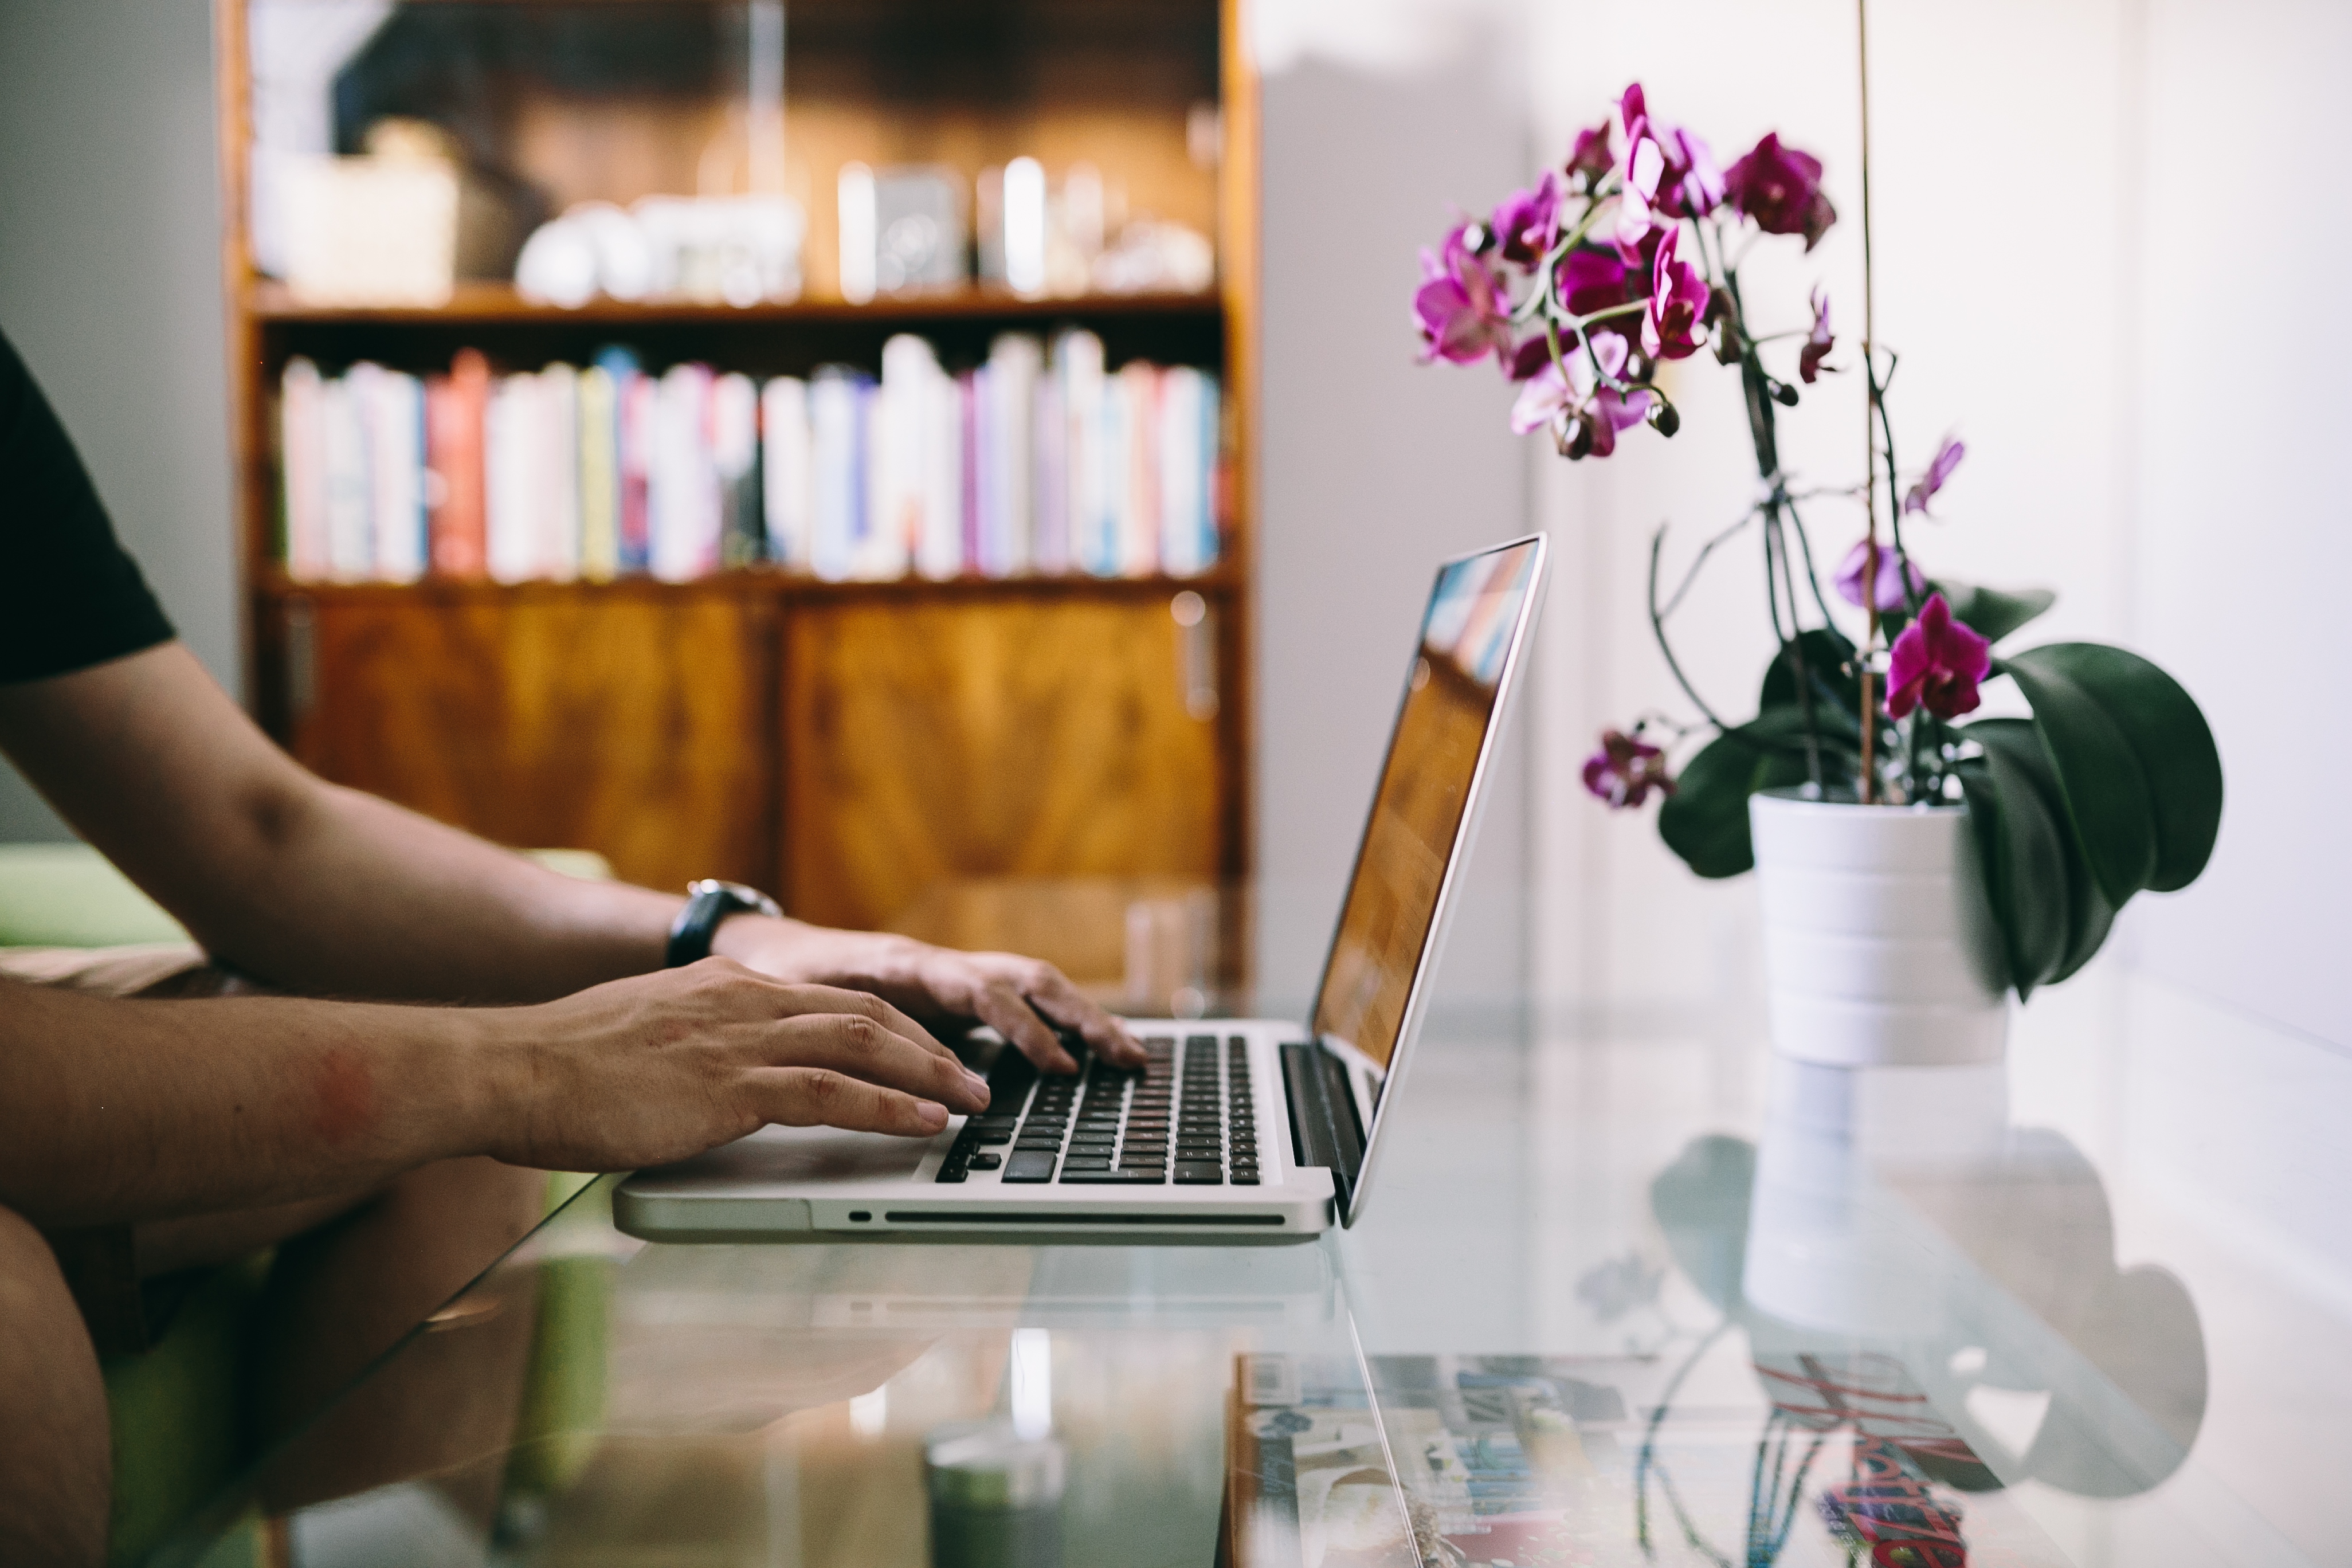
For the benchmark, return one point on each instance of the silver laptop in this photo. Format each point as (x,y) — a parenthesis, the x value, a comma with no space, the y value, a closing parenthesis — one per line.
(1253,1129)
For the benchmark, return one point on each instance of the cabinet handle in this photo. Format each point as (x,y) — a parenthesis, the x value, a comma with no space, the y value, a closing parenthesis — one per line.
(1196,665)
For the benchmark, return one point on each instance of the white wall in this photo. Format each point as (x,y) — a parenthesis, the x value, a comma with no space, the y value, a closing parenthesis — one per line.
(2244,543)
(2055,213)
(109,287)
(1376,469)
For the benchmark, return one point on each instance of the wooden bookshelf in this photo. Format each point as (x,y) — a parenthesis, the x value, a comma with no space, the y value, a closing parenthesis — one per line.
(851,745)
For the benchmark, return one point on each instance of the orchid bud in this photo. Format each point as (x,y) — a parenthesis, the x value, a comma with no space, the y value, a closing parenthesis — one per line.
(1478,238)
(1576,440)
(1784,394)
(1664,416)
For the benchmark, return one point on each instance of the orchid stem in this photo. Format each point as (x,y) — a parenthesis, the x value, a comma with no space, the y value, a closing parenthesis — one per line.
(1691,575)
(1658,630)
(1870,457)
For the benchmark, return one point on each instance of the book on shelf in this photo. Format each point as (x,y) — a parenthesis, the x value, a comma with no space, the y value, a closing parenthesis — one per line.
(1040,459)
(1822,1454)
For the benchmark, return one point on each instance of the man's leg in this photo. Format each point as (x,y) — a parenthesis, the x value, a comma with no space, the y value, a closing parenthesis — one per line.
(354,1272)
(342,1295)
(55,1472)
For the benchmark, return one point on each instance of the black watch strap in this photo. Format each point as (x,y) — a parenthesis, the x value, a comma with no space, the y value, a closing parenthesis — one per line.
(709,902)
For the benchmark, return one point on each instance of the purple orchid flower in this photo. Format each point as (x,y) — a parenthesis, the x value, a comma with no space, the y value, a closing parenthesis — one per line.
(1590,156)
(1677,318)
(1935,664)
(1582,412)
(1528,221)
(1947,457)
(1528,358)
(1625,770)
(1462,307)
(1817,343)
(1891,568)
(1693,183)
(1639,169)
(1590,280)
(1780,188)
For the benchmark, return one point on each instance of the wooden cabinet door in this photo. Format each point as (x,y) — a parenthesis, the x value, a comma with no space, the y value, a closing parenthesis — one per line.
(1026,734)
(635,721)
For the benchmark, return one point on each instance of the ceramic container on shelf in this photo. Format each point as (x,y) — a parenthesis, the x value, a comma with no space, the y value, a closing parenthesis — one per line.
(1879,946)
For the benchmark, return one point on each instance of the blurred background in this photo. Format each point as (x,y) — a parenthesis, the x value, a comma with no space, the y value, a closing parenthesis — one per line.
(2104,230)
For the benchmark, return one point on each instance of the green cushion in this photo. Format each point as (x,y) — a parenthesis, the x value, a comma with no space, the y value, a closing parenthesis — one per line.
(175,1412)
(68,895)
(562,1415)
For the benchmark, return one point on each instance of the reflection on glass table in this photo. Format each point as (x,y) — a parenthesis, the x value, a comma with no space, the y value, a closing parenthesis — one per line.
(1637,1298)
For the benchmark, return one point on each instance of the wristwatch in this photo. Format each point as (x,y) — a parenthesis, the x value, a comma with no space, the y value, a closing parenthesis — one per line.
(709,902)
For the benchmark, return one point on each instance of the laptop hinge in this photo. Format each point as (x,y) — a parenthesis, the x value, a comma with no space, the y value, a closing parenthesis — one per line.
(1324,1128)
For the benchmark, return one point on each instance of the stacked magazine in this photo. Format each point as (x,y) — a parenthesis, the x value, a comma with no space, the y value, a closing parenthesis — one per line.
(1516,1461)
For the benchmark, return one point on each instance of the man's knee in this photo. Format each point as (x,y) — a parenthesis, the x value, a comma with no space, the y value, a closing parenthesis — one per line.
(55,1473)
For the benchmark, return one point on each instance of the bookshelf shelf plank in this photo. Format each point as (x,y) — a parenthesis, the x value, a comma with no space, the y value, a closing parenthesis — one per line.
(749,581)
(495,303)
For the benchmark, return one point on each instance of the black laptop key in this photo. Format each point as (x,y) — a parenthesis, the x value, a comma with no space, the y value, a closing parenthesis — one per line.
(986,1162)
(952,1174)
(1123,1178)
(1198,1173)
(1029,1165)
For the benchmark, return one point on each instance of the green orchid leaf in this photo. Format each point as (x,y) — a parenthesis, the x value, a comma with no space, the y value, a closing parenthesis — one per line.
(1704,821)
(2141,774)
(2107,800)
(1828,664)
(1992,613)
(2025,866)
(2023,762)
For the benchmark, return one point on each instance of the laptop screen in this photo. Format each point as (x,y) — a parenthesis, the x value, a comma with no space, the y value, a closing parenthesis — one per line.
(1467,634)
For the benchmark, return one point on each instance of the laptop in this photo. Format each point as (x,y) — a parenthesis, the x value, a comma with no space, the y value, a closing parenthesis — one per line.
(1235,1130)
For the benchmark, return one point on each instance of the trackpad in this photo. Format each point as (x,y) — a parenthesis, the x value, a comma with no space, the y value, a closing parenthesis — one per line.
(791,1156)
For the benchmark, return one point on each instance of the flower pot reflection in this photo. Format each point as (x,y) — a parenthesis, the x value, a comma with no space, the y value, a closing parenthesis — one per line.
(1907,1265)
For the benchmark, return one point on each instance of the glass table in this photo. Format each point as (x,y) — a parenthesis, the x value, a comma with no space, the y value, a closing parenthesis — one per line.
(1619,1296)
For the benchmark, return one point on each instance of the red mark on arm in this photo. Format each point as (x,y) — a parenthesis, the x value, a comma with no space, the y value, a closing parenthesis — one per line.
(342,1095)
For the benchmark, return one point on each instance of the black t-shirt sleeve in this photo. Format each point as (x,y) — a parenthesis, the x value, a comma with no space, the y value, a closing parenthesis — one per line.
(69,597)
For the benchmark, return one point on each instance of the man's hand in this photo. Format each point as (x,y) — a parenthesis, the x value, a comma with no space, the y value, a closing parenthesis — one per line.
(1003,990)
(652,1069)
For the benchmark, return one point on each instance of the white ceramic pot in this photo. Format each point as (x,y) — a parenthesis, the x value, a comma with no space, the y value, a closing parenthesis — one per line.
(1879,946)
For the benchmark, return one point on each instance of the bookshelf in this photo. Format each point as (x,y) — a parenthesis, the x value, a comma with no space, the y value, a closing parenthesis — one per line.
(855,745)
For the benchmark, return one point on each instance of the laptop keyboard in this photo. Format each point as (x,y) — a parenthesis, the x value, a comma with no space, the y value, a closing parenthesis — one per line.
(1187,1117)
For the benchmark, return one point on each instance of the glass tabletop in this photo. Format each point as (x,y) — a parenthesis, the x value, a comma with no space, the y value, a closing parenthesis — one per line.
(1620,1295)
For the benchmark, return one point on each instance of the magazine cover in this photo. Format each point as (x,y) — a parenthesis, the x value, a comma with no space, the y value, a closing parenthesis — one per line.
(1806,1456)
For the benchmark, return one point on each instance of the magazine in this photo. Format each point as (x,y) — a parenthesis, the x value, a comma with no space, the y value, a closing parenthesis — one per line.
(1801,1457)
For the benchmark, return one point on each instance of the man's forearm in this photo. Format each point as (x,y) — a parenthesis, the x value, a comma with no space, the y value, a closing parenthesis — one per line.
(309,886)
(117,1110)
(361,898)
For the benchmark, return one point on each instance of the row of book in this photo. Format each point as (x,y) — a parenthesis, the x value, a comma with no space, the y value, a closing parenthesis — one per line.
(1040,460)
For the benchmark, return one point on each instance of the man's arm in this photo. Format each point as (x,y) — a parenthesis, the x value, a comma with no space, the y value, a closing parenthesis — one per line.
(318,888)
(113,1110)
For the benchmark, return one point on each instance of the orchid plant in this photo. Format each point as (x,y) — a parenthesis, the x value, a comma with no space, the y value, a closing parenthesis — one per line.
(1628,258)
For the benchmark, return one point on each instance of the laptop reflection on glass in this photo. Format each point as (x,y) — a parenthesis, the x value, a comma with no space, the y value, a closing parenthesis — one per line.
(1236,1130)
